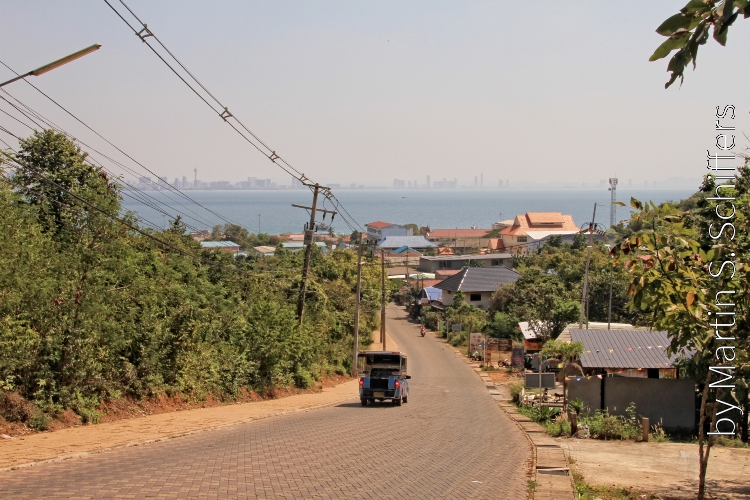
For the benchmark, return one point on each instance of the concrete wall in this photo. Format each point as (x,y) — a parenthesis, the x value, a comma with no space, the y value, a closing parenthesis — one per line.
(669,402)
(589,389)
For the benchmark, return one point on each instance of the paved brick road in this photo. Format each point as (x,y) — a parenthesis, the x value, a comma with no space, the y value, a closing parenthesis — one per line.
(449,441)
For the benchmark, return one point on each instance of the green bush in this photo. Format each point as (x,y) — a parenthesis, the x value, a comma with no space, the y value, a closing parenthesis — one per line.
(458,339)
(515,391)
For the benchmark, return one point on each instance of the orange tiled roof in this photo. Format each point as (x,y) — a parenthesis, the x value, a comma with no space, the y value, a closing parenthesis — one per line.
(445,251)
(540,221)
(378,223)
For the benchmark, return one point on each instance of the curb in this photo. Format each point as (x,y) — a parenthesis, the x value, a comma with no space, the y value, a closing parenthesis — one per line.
(550,466)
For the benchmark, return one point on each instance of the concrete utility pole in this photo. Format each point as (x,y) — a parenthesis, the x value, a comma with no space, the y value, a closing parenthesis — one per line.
(584,297)
(355,373)
(309,237)
(309,232)
(382,298)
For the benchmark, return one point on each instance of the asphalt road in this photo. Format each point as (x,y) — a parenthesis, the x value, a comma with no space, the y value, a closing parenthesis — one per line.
(449,441)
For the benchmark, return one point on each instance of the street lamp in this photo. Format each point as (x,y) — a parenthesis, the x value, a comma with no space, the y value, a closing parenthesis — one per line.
(56,64)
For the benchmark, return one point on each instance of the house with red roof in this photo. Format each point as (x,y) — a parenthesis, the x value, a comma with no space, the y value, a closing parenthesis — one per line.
(530,230)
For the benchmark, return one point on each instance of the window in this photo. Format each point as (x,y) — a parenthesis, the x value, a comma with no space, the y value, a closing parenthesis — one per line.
(496,262)
(522,239)
(475,297)
(445,264)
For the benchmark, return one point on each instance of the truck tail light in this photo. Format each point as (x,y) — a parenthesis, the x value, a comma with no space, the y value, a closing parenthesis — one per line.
(361,382)
(397,384)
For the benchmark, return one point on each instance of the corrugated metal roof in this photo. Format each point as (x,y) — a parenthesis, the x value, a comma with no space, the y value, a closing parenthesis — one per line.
(623,348)
(479,279)
(219,244)
(410,241)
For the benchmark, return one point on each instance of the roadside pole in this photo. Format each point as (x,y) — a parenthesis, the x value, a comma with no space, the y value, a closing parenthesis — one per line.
(584,296)
(382,298)
(355,373)
(308,251)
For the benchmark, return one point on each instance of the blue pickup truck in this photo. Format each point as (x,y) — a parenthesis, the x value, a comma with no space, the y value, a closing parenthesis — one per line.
(382,376)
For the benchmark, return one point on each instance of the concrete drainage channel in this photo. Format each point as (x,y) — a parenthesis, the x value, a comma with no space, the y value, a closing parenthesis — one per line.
(552,471)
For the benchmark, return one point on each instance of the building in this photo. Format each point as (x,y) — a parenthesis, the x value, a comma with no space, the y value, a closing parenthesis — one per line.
(265,250)
(624,367)
(418,243)
(437,263)
(295,246)
(200,234)
(220,245)
(378,230)
(477,283)
(626,353)
(530,230)
(460,240)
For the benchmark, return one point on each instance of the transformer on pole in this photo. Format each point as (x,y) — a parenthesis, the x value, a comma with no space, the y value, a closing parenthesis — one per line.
(613,207)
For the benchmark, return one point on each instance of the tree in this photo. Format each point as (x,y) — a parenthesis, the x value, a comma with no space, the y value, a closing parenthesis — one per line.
(503,326)
(539,298)
(690,28)
(673,263)
(413,227)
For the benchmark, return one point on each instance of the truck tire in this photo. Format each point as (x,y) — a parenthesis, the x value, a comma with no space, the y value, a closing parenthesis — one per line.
(363,401)
(397,402)
(406,399)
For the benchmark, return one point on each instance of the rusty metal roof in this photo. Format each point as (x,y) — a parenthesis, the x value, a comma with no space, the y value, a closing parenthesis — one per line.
(623,348)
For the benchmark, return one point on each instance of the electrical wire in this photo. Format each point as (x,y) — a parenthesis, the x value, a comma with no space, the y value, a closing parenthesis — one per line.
(223,112)
(58,129)
(169,186)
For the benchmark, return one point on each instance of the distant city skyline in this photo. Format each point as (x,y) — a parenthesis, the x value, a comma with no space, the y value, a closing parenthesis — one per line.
(254,183)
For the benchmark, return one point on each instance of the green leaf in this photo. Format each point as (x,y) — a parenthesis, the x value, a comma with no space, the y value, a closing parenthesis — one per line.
(676,41)
(618,203)
(672,24)
(696,7)
(636,204)
(720,34)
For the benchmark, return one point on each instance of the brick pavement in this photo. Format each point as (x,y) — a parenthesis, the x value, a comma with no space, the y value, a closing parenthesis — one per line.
(449,441)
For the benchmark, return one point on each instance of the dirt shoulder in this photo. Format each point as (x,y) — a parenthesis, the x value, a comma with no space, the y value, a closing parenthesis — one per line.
(140,429)
(666,469)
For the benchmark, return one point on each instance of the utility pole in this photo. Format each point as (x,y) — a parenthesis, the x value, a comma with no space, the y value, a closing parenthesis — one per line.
(584,296)
(382,298)
(355,373)
(613,207)
(309,236)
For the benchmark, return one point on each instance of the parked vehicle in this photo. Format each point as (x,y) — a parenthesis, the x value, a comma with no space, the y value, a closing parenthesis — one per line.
(383,376)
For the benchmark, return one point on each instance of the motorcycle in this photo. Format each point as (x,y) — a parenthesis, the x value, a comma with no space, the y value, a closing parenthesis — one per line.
(422,331)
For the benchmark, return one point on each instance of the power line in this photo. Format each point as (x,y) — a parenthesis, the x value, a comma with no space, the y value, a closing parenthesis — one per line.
(169,186)
(52,125)
(223,111)
(123,222)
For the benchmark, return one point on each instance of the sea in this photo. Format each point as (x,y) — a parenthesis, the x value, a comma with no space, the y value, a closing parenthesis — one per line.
(271,211)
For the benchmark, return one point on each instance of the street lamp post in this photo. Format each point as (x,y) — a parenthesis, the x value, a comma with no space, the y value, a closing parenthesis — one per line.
(56,64)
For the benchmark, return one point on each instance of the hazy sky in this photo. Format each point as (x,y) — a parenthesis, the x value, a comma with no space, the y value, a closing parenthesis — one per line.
(368,91)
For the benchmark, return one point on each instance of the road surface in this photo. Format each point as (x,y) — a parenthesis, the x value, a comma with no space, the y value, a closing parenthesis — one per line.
(449,441)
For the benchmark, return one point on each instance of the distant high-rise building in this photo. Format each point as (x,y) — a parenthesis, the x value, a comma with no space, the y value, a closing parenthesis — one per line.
(195,170)
(176,183)
(481,180)
(184,181)
(428,182)
(476,181)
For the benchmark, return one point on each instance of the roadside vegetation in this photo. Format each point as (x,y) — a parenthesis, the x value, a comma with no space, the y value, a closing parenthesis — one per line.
(92,310)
